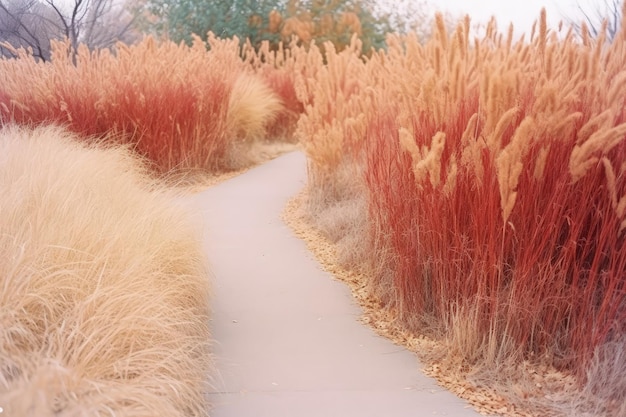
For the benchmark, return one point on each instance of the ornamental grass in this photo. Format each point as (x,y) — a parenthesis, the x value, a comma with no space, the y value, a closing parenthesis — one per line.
(495,182)
(104,304)
(183,107)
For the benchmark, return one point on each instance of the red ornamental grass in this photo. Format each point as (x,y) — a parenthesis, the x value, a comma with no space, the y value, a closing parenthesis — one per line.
(169,101)
(282,84)
(416,220)
(496,190)
(487,213)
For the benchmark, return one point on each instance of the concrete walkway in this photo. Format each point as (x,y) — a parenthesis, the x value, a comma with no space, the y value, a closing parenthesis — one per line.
(288,339)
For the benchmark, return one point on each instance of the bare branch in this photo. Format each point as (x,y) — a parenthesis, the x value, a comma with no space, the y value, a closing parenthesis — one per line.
(594,18)
(33,23)
(22,32)
(62,19)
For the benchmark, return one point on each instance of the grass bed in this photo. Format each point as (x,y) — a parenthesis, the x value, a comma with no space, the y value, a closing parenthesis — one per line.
(494,176)
(104,288)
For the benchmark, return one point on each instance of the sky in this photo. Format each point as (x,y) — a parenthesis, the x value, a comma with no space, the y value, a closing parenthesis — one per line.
(521,12)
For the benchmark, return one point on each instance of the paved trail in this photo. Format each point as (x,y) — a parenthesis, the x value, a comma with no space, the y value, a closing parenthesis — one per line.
(288,339)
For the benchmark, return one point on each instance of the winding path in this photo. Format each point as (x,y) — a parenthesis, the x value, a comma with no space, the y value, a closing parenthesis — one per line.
(288,339)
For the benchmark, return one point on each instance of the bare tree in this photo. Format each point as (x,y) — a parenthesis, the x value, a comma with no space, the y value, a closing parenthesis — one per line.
(106,23)
(33,23)
(27,24)
(607,13)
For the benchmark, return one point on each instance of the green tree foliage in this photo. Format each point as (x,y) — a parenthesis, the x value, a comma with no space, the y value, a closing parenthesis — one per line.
(335,21)
(601,17)
(179,19)
(272,20)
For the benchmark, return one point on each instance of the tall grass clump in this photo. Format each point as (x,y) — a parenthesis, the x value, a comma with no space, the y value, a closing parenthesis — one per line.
(329,131)
(290,71)
(496,189)
(253,107)
(104,301)
(172,103)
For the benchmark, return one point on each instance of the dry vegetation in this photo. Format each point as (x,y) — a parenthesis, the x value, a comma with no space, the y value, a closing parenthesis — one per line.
(494,183)
(475,188)
(180,106)
(104,307)
(104,301)
(104,304)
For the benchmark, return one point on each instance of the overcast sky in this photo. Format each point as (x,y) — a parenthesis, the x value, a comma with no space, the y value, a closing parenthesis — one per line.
(521,12)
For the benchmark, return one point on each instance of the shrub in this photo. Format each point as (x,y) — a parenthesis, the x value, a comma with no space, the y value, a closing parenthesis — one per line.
(103,308)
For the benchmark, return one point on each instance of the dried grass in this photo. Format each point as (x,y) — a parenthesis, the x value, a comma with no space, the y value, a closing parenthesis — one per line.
(103,308)
(495,184)
(340,215)
(184,107)
(287,72)
(252,107)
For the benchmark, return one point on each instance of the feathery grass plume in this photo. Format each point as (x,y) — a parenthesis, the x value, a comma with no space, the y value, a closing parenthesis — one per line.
(532,147)
(287,72)
(325,128)
(252,107)
(168,101)
(543,33)
(426,161)
(104,301)
(509,165)
(582,157)
(540,163)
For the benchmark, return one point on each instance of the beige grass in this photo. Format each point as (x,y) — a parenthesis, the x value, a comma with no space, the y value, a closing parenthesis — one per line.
(252,108)
(338,209)
(103,285)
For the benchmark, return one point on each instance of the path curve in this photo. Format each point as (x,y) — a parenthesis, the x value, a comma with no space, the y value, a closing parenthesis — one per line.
(288,342)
